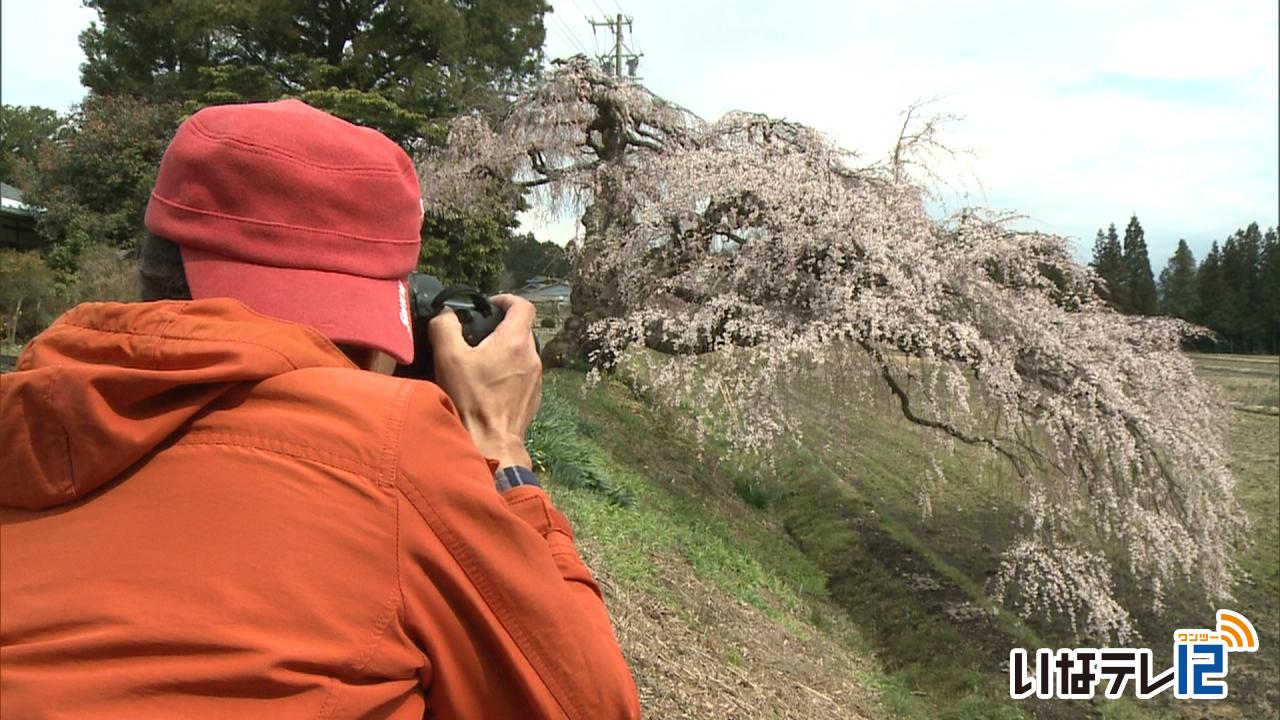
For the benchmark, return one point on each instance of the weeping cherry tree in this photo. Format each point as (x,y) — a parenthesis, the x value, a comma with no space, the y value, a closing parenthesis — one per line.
(744,248)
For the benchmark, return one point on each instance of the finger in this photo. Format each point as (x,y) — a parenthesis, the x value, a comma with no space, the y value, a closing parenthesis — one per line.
(519,318)
(445,333)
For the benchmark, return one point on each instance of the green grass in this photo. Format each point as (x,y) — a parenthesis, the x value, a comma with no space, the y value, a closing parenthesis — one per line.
(684,509)
(556,447)
(679,511)
(838,519)
(668,519)
(1244,379)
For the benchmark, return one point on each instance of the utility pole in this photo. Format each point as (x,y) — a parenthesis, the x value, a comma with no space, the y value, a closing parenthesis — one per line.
(612,63)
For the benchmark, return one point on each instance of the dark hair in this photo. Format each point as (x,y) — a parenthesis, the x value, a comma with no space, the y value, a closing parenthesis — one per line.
(160,272)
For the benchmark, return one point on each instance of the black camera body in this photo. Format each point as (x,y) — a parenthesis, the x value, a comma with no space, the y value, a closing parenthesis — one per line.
(429,297)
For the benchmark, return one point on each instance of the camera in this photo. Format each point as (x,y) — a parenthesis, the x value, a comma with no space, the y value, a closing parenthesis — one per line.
(429,297)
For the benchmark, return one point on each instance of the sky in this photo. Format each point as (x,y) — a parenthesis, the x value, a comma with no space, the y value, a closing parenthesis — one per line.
(1075,114)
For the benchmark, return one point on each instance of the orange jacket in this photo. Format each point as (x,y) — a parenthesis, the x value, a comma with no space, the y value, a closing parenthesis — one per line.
(209,513)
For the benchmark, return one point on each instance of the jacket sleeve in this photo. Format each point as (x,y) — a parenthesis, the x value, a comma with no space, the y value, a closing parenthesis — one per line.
(509,619)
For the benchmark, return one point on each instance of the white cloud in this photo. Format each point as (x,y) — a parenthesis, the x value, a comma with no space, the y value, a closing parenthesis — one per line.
(1219,40)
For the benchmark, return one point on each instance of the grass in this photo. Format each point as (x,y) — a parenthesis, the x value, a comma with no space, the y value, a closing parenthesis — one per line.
(974,515)
(1244,379)
(682,513)
(838,520)
(556,446)
(667,518)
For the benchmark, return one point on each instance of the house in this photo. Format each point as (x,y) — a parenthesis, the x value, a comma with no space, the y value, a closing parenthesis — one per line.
(550,296)
(556,292)
(17,221)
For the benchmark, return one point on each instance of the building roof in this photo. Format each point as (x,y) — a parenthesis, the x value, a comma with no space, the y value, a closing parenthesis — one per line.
(555,291)
(11,201)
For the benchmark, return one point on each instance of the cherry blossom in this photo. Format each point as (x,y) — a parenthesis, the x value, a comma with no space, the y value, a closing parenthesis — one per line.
(745,248)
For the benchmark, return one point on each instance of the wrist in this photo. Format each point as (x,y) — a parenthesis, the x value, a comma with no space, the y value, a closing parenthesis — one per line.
(506,449)
(513,459)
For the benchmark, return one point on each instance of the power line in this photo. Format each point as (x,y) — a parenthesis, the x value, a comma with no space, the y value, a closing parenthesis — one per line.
(565,38)
(595,42)
(568,33)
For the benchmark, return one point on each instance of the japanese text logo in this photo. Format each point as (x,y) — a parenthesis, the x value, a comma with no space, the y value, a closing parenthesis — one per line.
(1199,672)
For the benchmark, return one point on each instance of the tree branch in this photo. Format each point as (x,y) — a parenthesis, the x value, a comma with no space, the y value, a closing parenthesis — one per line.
(904,402)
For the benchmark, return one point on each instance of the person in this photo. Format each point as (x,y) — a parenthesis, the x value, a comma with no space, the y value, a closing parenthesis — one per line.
(226,506)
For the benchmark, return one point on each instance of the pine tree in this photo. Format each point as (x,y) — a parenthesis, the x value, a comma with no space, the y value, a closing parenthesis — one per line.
(1217,304)
(1269,292)
(404,68)
(1240,281)
(1137,268)
(1179,296)
(1249,289)
(1108,262)
(400,67)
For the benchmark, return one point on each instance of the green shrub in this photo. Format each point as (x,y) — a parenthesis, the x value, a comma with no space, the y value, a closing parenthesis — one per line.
(557,448)
(28,302)
(104,273)
(755,492)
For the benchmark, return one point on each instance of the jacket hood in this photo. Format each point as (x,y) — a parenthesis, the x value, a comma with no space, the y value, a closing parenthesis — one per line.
(109,382)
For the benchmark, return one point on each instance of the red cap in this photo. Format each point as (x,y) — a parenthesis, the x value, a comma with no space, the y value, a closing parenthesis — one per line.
(296,213)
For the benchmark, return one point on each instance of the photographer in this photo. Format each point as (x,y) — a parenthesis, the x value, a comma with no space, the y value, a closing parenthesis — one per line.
(227,507)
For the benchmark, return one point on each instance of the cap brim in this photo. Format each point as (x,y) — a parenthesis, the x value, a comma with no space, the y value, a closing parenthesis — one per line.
(372,312)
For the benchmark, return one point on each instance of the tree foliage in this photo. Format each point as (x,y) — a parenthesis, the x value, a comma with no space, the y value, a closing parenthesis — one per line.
(1125,269)
(1179,296)
(465,247)
(527,257)
(401,66)
(397,65)
(1237,295)
(93,183)
(1137,266)
(27,300)
(1268,304)
(24,129)
(1232,292)
(1109,263)
(759,242)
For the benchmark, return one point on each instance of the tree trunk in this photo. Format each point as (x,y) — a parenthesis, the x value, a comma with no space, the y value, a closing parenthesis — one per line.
(594,295)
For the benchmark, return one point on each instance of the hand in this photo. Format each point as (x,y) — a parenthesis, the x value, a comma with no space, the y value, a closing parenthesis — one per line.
(497,385)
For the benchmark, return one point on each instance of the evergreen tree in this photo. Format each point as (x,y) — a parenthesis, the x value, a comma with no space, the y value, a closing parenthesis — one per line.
(528,257)
(1269,293)
(1108,262)
(1137,267)
(397,66)
(1179,296)
(1217,305)
(1249,289)
(403,68)
(1239,276)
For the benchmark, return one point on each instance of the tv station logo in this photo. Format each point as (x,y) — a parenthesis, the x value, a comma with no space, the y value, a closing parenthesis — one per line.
(1199,672)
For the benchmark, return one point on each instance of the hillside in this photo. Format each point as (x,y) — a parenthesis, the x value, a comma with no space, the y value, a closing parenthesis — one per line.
(819,591)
